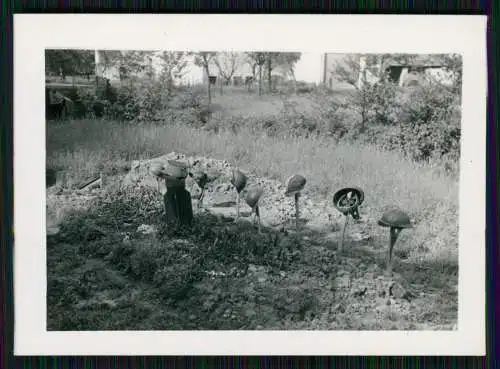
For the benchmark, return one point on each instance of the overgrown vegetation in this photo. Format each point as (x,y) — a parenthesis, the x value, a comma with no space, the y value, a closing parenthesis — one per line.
(422,122)
(86,148)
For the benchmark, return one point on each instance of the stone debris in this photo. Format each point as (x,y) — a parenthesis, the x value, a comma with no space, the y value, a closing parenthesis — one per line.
(277,210)
(146,229)
(52,231)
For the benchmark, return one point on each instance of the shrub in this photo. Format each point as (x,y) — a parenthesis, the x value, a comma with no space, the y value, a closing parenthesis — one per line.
(383,105)
(430,123)
(93,105)
(375,103)
(423,122)
(383,137)
(427,102)
(142,100)
(299,123)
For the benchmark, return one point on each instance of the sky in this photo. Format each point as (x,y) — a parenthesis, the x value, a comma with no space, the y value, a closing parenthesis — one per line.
(309,67)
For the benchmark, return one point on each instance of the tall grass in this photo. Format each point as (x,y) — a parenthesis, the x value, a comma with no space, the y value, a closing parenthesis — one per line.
(388,179)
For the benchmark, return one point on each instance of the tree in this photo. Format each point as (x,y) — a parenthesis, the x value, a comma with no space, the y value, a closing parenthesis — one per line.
(173,64)
(453,64)
(257,60)
(127,62)
(228,63)
(108,59)
(287,61)
(69,62)
(203,59)
(367,94)
(279,59)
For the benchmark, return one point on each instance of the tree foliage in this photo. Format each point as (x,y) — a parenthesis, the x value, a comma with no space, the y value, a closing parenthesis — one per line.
(127,62)
(287,62)
(173,65)
(453,63)
(69,62)
(279,59)
(203,59)
(270,61)
(257,61)
(374,99)
(228,63)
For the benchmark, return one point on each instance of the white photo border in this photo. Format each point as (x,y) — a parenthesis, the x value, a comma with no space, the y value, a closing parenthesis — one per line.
(33,33)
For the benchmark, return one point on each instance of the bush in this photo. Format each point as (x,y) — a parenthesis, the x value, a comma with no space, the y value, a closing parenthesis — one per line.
(375,103)
(427,102)
(430,123)
(423,122)
(139,101)
(383,105)
(299,123)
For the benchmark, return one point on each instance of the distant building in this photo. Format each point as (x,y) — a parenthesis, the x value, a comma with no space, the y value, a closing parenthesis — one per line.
(191,74)
(422,67)
(405,74)
(306,69)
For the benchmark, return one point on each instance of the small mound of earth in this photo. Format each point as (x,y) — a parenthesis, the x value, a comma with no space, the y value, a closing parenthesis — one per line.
(276,209)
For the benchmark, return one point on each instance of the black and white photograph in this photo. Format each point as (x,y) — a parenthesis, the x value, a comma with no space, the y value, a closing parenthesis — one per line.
(225,188)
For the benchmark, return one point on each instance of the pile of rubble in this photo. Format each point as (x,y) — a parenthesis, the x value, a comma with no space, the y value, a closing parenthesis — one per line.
(276,209)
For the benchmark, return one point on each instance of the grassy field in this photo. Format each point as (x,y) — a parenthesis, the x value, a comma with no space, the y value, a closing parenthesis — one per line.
(237,101)
(90,267)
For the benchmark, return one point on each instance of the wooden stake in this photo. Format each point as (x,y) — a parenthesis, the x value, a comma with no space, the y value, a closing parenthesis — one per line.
(393,237)
(341,244)
(297,211)
(237,205)
(257,215)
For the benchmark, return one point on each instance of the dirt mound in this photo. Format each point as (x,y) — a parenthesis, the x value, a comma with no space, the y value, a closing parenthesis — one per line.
(276,209)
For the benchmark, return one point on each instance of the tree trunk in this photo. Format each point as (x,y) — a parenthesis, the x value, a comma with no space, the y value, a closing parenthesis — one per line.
(254,77)
(208,82)
(260,80)
(294,81)
(221,83)
(363,119)
(269,70)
